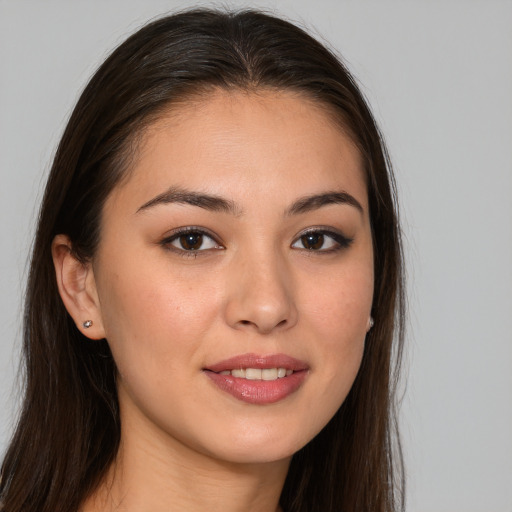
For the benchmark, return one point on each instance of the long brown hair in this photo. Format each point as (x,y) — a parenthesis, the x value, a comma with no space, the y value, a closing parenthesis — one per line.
(69,430)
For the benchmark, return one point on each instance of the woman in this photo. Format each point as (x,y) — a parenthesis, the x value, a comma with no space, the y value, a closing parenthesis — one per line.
(215,285)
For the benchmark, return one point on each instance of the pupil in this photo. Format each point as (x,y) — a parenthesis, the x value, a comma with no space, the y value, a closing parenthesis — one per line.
(313,241)
(191,241)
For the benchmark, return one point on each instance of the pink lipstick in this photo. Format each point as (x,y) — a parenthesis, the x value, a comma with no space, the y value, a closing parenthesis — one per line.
(258,379)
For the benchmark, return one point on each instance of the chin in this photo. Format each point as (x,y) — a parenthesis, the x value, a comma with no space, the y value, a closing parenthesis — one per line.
(259,445)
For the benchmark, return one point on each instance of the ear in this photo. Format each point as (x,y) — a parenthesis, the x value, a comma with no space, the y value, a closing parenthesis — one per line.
(77,288)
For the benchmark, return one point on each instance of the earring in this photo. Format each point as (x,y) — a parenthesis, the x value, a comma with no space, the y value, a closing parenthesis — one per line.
(371,323)
(87,324)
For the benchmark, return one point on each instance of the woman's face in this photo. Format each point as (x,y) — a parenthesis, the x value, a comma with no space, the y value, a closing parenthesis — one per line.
(234,276)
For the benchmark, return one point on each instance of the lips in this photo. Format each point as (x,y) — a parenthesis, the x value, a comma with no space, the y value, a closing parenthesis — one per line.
(258,379)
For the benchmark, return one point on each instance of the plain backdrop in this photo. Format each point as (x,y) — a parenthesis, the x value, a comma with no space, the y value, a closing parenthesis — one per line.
(438,75)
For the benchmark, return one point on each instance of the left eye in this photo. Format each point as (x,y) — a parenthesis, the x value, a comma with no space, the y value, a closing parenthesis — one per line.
(192,241)
(321,241)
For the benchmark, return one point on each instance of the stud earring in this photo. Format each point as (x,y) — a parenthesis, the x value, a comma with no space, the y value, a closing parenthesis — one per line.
(371,323)
(87,324)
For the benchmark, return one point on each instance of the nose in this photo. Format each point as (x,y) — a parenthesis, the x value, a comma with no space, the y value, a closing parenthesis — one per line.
(260,296)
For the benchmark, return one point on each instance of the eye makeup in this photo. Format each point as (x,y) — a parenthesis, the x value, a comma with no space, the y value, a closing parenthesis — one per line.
(322,240)
(192,240)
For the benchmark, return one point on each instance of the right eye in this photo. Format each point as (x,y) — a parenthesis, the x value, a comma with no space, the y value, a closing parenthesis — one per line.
(191,240)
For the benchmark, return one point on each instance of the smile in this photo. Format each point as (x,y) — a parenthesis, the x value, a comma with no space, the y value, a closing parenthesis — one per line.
(258,380)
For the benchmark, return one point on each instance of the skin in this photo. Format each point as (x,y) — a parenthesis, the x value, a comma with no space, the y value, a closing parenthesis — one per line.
(255,288)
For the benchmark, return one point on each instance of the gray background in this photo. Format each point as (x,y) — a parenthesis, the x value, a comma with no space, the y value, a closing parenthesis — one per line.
(439,77)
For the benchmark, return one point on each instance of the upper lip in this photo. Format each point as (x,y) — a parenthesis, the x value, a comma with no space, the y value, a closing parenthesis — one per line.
(258,361)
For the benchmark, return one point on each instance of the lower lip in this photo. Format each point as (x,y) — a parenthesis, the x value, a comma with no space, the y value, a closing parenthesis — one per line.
(259,392)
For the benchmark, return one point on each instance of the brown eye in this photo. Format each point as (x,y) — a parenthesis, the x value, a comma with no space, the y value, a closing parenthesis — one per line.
(191,241)
(312,241)
(322,241)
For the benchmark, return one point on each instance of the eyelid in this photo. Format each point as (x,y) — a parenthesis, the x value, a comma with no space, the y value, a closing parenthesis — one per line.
(177,232)
(342,241)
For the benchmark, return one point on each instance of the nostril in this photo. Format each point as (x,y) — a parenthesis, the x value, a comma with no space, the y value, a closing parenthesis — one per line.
(246,323)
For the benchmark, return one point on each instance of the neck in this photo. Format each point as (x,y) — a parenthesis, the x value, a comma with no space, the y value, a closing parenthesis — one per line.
(155,473)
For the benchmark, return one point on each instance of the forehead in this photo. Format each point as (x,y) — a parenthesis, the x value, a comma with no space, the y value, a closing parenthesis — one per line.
(225,142)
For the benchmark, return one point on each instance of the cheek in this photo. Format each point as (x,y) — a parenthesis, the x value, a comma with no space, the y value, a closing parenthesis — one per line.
(337,312)
(339,304)
(153,318)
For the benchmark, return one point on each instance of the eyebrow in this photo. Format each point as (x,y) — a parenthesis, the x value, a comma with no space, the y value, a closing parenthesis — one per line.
(219,204)
(182,196)
(313,202)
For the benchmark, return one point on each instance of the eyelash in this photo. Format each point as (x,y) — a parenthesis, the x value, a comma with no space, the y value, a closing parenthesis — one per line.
(167,241)
(341,241)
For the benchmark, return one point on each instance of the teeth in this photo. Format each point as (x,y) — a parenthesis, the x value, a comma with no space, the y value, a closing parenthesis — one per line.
(269,374)
(259,374)
(253,374)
